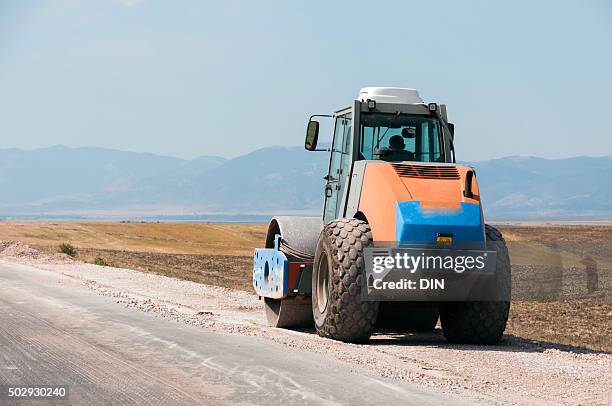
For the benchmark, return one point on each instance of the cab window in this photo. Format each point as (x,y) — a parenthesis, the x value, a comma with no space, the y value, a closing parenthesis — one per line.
(400,137)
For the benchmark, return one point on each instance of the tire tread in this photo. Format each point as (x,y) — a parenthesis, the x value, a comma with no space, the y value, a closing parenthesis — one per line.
(481,322)
(348,318)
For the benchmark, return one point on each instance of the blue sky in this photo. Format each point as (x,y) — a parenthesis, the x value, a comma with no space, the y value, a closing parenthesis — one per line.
(190,78)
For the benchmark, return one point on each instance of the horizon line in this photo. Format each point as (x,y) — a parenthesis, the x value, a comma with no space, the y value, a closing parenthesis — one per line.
(266,147)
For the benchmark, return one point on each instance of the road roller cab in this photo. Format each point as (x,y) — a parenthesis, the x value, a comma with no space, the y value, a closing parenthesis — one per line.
(392,180)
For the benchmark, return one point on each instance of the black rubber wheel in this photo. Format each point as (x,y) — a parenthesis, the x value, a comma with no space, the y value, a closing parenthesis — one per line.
(481,322)
(338,310)
(408,316)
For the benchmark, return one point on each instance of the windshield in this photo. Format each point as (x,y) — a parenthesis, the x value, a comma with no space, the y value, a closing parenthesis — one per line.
(400,137)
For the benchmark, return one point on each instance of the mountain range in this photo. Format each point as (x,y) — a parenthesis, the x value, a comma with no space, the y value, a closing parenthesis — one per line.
(99,182)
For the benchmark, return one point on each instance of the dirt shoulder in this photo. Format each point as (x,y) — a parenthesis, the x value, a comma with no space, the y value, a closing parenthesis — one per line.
(517,372)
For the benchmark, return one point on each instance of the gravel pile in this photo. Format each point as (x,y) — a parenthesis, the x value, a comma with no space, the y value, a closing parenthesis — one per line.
(24,253)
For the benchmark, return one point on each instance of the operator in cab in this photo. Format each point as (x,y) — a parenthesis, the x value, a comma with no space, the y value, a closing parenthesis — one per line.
(397,145)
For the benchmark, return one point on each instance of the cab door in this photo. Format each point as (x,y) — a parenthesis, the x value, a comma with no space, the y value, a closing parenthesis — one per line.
(339,166)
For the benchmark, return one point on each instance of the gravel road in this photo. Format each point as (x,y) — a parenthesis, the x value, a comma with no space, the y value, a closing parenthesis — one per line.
(516,372)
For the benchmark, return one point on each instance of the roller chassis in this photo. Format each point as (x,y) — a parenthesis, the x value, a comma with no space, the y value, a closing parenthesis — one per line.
(308,261)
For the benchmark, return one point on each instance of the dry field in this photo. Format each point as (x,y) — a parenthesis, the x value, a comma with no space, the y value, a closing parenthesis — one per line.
(216,254)
(570,314)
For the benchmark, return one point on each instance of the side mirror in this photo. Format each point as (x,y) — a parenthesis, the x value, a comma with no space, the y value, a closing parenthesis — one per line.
(312,135)
(451,127)
(408,132)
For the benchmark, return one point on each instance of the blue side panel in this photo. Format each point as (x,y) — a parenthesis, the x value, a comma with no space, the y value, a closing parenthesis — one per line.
(270,273)
(415,224)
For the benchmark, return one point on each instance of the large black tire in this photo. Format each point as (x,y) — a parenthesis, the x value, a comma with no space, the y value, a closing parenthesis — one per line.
(337,278)
(481,322)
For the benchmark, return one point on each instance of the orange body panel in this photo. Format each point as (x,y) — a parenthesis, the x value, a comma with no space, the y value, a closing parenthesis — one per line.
(383,187)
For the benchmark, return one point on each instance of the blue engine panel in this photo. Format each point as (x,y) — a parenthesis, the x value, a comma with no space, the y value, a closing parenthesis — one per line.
(271,272)
(415,224)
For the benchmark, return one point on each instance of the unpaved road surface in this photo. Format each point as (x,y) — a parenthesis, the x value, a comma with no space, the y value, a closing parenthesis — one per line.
(135,337)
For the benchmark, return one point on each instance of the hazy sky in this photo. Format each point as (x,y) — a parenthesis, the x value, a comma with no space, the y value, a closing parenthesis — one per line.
(190,78)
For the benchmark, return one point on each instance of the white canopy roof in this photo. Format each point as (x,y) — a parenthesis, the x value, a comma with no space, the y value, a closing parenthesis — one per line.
(398,95)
